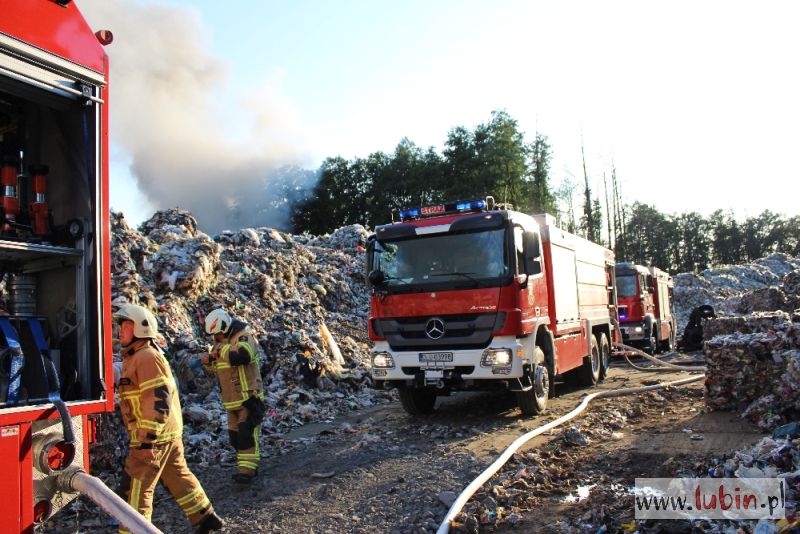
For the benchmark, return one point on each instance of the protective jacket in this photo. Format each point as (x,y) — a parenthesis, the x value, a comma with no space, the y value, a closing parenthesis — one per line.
(237,367)
(148,395)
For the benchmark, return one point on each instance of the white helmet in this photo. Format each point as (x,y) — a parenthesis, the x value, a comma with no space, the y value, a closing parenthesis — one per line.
(218,321)
(144,322)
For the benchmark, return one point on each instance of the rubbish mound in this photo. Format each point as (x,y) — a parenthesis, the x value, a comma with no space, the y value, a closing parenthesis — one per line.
(767,284)
(303,297)
(753,367)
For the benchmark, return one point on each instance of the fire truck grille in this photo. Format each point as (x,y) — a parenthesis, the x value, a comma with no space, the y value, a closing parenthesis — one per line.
(465,331)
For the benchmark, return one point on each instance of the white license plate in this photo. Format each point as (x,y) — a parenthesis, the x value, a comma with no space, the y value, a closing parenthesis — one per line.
(433,375)
(436,356)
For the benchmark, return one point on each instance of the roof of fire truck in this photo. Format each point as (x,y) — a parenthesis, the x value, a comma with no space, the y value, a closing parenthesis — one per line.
(54,26)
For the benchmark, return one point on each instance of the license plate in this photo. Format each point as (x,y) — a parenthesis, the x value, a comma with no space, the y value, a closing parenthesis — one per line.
(436,356)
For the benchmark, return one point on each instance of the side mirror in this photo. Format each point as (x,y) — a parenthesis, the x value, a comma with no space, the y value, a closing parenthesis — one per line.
(376,278)
(530,247)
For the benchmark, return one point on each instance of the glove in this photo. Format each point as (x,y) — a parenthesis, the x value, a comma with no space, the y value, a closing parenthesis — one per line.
(117,373)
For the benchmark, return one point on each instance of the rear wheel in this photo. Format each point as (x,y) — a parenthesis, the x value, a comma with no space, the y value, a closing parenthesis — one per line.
(589,372)
(668,345)
(534,401)
(417,401)
(605,354)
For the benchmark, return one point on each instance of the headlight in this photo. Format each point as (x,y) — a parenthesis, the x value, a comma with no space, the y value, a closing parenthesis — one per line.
(495,357)
(638,329)
(382,360)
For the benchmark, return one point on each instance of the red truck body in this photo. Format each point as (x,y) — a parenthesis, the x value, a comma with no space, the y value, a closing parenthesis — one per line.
(644,297)
(471,298)
(54,252)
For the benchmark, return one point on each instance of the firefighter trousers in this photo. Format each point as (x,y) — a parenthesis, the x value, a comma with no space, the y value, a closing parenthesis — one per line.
(244,428)
(144,467)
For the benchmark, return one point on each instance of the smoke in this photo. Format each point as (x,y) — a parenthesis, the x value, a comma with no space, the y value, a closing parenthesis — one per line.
(232,160)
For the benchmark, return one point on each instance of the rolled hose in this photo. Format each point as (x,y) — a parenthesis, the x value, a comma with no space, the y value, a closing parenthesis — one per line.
(476,484)
(77,479)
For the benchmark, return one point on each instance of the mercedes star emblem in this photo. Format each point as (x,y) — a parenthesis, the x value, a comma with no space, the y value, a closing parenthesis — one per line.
(434,328)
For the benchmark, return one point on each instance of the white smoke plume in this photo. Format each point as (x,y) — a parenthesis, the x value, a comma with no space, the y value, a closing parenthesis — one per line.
(191,144)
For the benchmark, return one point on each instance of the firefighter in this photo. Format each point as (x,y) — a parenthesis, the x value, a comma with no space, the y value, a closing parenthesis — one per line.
(151,412)
(234,359)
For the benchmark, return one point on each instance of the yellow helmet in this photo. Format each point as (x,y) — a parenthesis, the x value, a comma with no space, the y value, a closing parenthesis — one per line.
(144,322)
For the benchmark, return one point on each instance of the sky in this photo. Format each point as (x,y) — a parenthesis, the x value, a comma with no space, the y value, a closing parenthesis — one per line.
(695,103)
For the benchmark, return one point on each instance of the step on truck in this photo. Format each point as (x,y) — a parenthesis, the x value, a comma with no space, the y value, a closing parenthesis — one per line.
(644,299)
(55,313)
(468,297)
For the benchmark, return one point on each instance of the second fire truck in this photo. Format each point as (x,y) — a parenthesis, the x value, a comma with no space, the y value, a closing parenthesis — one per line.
(466,297)
(644,296)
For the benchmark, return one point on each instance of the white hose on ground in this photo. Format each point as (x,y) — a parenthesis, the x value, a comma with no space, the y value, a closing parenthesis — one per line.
(78,480)
(476,484)
(664,365)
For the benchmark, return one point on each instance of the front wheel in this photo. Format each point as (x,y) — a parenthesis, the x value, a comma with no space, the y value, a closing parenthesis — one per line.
(417,401)
(534,401)
(651,345)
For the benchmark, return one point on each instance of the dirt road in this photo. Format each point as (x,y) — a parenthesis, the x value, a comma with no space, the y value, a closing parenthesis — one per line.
(380,470)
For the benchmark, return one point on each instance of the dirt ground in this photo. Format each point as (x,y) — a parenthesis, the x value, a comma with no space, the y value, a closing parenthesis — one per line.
(381,470)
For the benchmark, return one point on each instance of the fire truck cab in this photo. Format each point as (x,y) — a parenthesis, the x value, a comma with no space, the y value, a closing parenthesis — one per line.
(465,297)
(55,313)
(645,307)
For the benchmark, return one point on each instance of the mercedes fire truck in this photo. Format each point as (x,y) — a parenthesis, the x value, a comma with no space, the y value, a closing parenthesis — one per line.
(55,313)
(644,297)
(468,297)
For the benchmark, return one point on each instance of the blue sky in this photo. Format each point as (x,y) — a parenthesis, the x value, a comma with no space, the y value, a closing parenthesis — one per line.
(694,101)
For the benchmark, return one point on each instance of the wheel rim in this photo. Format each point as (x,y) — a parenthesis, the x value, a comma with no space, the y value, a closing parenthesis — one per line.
(604,357)
(595,360)
(541,382)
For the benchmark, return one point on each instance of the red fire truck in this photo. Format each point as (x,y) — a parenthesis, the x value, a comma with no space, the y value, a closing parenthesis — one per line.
(55,312)
(644,296)
(468,297)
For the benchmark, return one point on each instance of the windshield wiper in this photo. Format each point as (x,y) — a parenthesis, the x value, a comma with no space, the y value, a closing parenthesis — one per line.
(465,275)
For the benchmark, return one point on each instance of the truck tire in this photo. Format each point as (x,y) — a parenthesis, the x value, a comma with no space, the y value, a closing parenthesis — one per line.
(651,343)
(668,345)
(417,401)
(605,354)
(589,372)
(534,401)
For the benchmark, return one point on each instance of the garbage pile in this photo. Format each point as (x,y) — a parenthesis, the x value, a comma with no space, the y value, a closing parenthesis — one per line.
(303,297)
(753,367)
(767,284)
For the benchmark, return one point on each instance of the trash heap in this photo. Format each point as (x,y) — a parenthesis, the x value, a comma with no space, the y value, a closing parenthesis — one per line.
(753,367)
(767,284)
(304,298)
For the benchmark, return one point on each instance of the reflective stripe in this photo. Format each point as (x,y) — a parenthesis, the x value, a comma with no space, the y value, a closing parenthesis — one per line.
(233,404)
(189,497)
(243,380)
(197,507)
(151,425)
(249,465)
(136,487)
(158,381)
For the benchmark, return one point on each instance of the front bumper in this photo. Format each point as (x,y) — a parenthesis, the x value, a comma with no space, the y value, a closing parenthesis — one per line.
(464,369)
(632,331)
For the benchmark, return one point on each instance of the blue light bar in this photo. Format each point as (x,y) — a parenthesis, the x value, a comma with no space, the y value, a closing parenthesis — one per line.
(411,213)
(471,205)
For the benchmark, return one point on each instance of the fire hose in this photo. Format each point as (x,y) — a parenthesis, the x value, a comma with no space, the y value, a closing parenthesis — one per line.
(77,480)
(490,471)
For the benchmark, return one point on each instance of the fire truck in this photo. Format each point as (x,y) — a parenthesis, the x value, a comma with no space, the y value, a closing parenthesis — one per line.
(466,296)
(55,315)
(644,297)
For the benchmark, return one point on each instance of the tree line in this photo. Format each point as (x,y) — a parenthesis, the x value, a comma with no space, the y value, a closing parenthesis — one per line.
(495,159)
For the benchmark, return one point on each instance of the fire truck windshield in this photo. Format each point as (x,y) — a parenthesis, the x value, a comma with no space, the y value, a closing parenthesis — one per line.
(476,258)
(626,286)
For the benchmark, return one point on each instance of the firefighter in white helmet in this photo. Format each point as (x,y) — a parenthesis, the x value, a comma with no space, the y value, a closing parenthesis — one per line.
(234,359)
(151,412)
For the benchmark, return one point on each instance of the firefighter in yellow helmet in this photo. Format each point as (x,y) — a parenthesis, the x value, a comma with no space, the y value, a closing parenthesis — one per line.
(151,412)
(234,359)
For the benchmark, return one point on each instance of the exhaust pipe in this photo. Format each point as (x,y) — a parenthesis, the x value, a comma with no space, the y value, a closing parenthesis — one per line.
(77,480)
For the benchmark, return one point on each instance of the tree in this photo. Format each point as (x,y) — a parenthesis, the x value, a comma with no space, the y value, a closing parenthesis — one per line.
(542,199)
